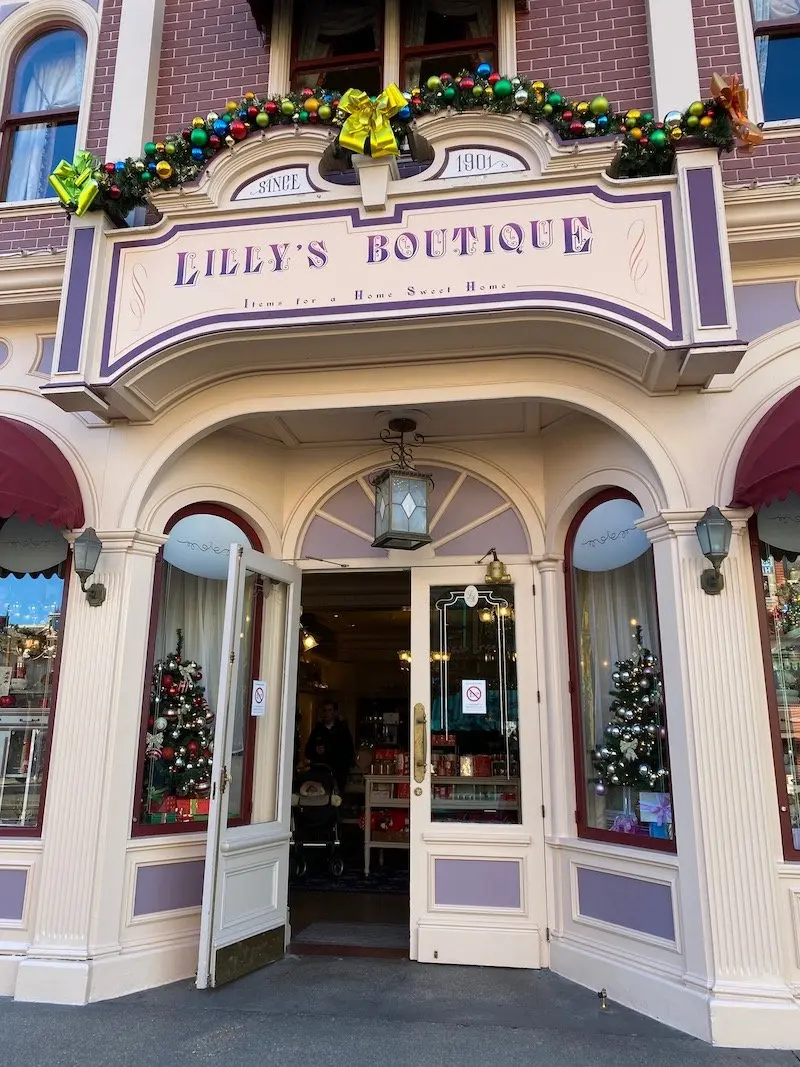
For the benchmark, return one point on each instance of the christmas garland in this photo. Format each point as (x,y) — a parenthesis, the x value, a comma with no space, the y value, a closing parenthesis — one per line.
(379,125)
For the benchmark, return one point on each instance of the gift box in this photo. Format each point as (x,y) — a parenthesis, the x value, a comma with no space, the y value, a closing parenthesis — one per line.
(655,808)
(482,766)
(403,791)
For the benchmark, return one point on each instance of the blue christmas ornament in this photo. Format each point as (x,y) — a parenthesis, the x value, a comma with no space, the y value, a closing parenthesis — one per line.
(120,165)
(220,127)
(151,167)
(484,70)
(198,154)
(602,120)
(404,113)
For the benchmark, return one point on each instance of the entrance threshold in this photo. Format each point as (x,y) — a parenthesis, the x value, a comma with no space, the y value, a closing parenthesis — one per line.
(366,940)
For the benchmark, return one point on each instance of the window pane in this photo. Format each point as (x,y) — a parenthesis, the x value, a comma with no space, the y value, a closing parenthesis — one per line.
(474,710)
(779,533)
(30,610)
(765,10)
(623,720)
(446,21)
(49,73)
(366,77)
(185,673)
(35,153)
(419,69)
(778,61)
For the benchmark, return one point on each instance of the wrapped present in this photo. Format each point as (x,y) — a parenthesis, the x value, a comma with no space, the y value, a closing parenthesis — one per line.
(655,808)
(466,767)
(482,766)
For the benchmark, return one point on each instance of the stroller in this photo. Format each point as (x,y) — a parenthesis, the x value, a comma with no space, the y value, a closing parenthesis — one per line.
(315,818)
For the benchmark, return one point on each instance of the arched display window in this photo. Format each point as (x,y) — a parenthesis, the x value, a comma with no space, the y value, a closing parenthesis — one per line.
(180,698)
(768,480)
(619,717)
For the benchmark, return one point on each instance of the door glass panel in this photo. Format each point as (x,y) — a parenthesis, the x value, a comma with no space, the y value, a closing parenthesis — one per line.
(474,709)
(272,612)
(241,723)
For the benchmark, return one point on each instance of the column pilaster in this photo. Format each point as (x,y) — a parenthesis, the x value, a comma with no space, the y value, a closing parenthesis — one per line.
(726,814)
(133,97)
(90,783)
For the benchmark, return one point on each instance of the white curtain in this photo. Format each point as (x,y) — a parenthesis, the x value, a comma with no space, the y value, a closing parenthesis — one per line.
(478,13)
(606,603)
(323,19)
(770,9)
(54,80)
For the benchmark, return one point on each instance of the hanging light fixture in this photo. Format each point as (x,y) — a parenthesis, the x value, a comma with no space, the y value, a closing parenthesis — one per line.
(308,640)
(714,534)
(404,655)
(401,493)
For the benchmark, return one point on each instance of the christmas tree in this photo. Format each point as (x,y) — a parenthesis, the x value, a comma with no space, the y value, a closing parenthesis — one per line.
(180,739)
(634,749)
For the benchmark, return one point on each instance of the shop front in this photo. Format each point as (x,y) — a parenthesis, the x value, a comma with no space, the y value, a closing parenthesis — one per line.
(532,677)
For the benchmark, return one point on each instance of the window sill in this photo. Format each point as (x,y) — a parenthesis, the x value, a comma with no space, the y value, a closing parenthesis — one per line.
(30,207)
(609,849)
(780,128)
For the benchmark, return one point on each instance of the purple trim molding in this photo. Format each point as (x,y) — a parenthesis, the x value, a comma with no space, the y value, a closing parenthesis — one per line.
(168,887)
(109,371)
(632,903)
(275,170)
(13,882)
(69,356)
(477,883)
(479,148)
(702,201)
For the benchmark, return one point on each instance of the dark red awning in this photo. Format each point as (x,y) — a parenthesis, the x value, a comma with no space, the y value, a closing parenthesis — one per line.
(36,481)
(769,467)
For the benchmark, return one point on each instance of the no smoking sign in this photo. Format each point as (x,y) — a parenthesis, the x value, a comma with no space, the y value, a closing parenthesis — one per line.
(473,696)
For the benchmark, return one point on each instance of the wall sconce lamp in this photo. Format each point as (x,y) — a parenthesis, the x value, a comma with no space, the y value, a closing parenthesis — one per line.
(308,640)
(496,572)
(86,552)
(714,534)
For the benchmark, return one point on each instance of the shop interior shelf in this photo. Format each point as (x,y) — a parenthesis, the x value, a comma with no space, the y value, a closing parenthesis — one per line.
(393,802)
(487,804)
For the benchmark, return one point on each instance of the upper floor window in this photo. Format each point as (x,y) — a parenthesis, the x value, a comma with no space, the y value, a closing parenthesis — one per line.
(777,29)
(619,720)
(344,45)
(40,119)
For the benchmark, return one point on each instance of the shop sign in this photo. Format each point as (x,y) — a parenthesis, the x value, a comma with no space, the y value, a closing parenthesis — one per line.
(580,248)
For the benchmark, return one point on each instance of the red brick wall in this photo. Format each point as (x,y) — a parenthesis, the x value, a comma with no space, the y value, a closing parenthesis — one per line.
(211,50)
(583,47)
(718,50)
(36,232)
(104,76)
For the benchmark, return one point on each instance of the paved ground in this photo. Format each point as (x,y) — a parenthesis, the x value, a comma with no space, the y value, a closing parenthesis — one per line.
(316,1012)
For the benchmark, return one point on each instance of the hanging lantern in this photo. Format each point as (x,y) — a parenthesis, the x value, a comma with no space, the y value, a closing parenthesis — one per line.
(402,494)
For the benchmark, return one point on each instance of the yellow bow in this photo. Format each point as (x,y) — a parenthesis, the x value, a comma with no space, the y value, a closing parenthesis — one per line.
(733,96)
(75,183)
(370,120)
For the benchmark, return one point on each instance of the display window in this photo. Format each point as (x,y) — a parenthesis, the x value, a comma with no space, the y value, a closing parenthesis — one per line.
(33,571)
(775,540)
(180,702)
(474,706)
(777,35)
(619,714)
(446,36)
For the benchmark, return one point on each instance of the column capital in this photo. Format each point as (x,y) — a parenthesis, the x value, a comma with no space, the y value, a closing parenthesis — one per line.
(672,523)
(138,542)
(549,564)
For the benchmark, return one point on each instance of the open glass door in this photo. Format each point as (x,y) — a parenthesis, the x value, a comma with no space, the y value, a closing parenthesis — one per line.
(244,915)
(471,899)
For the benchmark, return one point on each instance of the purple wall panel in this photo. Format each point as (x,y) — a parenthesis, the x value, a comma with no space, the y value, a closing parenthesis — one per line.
(12,894)
(327,541)
(351,506)
(706,244)
(761,308)
(443,481)
(472,500)
(477,883)
(69,358)
(504,532)
(629,902)
(168,887)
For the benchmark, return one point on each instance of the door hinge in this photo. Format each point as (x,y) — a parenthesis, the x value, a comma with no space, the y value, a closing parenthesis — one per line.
(533,588)
(547,935)
(538,696)
(232,657)
(543,810)
(571,687)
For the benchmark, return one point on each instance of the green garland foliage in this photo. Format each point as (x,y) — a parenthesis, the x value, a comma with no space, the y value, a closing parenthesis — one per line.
(647,144)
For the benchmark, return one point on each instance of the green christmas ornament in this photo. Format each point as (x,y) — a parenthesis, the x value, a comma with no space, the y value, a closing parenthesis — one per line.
(433,83)
(145,175)
(262,120)
(548,109)
(449,93)
(303,116)
(554,100)
(169,148)
(599,105)
(647,117)
(149,149)
(503,88)
(658,138)
(697,108)
(693,122)
(199,138)
(287,106)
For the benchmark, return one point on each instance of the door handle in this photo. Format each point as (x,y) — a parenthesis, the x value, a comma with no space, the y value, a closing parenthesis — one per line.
(420,742)
(225,781)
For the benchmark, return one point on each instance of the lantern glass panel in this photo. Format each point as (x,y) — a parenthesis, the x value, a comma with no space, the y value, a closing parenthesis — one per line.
(382,509)
(409,503)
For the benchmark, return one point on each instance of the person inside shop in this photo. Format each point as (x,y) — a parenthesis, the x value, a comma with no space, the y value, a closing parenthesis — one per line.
(330,743)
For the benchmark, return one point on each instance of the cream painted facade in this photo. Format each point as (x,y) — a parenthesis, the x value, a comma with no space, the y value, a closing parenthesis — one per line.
(595,377)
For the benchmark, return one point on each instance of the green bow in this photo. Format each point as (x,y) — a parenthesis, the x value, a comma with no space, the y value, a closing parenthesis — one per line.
(75,183)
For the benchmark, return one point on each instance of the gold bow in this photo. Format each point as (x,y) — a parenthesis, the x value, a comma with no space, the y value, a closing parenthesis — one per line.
(370,120)
(733,96)
(75,183)
(628,750)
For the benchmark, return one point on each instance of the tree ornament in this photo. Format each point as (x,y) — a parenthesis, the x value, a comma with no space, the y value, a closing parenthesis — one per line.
(477,90)
(467,84)
(198,123)
(696,109)
(600,789)
(287,106)
(433,83)
(494,78)
(325,113)
(198,138)
(521,97)
(502,87)
(448,93)
(109,168)
(483,70)
(589,127)
(115,192)
(149,149)
(163,170)
(555,100)
(599,105)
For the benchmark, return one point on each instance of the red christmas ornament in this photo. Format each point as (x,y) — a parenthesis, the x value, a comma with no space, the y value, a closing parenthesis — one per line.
(307,92)
(167,752)
(109,168)
(214,141)
(576,126)
(445,79)
(313,117)
(186,134)
(493,78)
(467,83)
(166,681)
(192,748)
(115,192)
(566,116)
(271,107)
(416,101)
(173,690)
(238,130)
(151,722)
(198,675)
(252,111)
